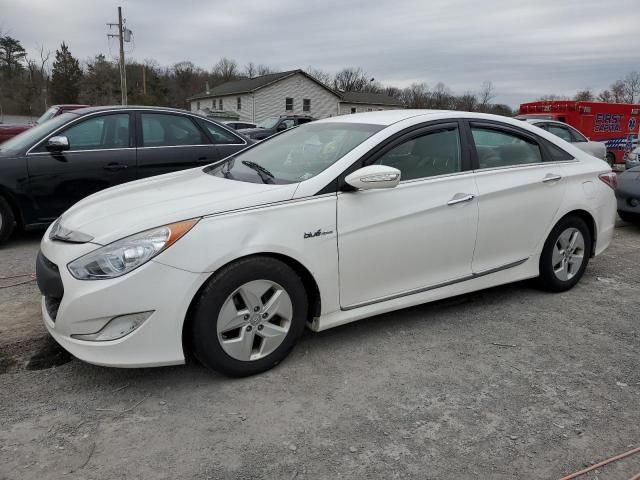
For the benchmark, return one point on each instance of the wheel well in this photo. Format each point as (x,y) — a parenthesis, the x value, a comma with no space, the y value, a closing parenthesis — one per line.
(310,286)
(588,219)
(13,204)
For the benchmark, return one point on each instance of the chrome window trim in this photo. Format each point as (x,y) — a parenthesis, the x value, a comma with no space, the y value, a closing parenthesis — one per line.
(434,177)
(198,145)
(66,152)
(527,165)
(129,111)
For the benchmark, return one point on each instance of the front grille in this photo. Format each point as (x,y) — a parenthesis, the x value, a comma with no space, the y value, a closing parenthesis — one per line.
(52,305)
(50,284)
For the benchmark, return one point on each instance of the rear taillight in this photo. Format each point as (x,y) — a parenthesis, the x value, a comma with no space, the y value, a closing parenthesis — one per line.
(610,179)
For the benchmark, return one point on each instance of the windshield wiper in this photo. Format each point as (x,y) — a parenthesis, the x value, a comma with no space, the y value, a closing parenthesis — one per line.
(265,175)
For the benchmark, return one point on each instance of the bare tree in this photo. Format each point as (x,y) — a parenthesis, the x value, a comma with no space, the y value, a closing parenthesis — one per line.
(632,86)
(605,96)
(250,70)
(226,69)
(320,75)
(351,79)
(485,96)
(264,70)
(585,95)
(618,91)
(467,102)
(416,96)
(441,97)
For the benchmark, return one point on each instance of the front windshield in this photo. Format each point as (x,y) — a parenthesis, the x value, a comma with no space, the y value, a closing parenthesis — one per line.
(29,137)
(47,115)
(296,155)
(268,122)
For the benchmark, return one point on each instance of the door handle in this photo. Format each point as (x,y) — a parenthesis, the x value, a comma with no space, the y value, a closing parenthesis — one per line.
(112,167)
(461,198)
(550,177)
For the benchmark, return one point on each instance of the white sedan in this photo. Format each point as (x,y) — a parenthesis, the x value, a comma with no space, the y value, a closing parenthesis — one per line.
(322,225)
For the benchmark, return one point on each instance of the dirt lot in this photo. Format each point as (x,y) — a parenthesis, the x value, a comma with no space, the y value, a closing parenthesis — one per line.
(508,383)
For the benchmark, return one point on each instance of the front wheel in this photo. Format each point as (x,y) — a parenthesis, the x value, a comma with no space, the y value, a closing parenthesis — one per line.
(249,316)
(565,255)
(629,217)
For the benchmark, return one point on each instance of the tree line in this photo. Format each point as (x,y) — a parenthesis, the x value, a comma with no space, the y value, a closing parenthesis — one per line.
(624,90)
(28,85)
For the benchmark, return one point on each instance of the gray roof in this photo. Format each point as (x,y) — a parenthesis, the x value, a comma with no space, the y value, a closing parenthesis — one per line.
(248,85)
(371,99)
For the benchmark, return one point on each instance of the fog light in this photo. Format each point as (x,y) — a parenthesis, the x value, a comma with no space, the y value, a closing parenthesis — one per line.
(117,327)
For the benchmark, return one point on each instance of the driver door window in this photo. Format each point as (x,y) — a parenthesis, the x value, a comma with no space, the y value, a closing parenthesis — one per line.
(99,133)
(434,153)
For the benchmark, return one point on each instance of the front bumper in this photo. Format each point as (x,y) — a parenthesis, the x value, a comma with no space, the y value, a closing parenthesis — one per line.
(87,306)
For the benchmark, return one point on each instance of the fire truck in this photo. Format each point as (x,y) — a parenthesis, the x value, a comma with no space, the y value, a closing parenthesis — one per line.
(616,125)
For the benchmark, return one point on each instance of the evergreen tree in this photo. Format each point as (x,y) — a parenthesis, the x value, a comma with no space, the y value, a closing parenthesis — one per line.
(66,77)
(12,56)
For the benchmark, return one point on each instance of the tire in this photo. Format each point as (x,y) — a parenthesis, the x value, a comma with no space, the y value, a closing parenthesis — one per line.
(236,329)
(7,220)
(611,159)
(629,217)
(558,272)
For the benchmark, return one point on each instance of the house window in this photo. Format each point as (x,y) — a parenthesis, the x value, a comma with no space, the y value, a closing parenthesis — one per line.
(239,103)
(288,104)
(220,104)
(306,104)
(353,109)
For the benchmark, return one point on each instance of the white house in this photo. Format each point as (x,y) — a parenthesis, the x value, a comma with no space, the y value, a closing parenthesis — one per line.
(287,93)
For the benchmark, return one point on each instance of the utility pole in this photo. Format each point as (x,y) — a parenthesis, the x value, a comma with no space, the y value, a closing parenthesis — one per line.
(123,35)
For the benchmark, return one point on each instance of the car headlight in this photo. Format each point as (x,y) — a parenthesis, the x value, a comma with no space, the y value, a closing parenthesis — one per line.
(123,256)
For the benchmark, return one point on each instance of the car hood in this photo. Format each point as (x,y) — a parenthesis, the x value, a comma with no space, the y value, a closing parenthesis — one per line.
(137,206)
(15,127)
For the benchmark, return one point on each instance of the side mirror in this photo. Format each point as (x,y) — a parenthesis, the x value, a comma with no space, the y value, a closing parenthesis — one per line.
(374,176)
(58,144)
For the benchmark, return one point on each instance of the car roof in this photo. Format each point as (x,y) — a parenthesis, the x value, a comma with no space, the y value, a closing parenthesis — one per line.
(82,111)
(544,120)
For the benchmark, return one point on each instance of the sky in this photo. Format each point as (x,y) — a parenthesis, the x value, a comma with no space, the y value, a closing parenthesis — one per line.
(526,48)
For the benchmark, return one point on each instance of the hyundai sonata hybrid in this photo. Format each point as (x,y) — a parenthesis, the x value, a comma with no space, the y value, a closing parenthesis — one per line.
(321,225)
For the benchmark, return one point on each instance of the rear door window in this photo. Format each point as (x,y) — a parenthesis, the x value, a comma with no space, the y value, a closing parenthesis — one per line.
(166,130)
(99,132)
(501,148)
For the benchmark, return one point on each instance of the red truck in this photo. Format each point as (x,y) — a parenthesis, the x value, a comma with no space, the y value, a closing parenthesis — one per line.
(614,124)
(8,131)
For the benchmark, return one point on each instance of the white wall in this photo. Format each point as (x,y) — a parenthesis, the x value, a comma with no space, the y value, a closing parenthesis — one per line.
(229,104)
(270,101)
(345,108)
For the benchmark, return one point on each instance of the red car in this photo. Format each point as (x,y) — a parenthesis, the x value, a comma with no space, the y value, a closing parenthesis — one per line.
(8,131)
(614,124)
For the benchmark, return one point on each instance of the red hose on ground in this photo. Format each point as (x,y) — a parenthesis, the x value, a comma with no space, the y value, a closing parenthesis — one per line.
(604,462)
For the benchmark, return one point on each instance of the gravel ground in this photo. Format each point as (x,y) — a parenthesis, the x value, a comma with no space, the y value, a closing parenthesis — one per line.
(508,383)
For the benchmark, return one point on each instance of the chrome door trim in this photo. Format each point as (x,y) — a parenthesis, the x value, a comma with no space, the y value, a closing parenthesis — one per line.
(66,152)
(473,276)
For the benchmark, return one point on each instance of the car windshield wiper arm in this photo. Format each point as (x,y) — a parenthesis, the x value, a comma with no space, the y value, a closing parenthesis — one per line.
(265,175)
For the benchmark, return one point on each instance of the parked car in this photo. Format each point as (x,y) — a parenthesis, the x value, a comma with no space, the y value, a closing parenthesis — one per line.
(10,131)
(239,125)
(46,169)
(628,195)
(273,125)
(571,135)
(230,262)
(632,158)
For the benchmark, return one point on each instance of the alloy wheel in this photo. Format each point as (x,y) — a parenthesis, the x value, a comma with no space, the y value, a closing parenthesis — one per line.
(568,254)
(254,320)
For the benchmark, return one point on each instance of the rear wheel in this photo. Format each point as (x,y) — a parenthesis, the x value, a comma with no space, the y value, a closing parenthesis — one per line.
(7,220)
(249,317)
(565,255)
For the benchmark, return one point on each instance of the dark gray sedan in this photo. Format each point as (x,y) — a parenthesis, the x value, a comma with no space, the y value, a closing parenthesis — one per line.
(628,195)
